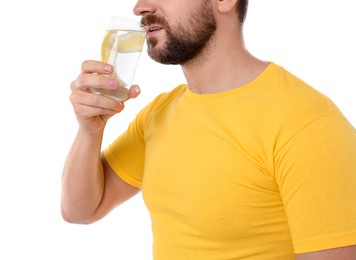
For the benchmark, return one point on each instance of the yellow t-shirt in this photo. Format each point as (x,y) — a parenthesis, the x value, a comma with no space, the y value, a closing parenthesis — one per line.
(263,171)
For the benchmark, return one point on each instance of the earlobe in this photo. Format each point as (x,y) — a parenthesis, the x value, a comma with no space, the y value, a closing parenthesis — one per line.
(225,6)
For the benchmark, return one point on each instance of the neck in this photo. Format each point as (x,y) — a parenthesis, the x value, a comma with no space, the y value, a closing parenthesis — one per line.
(223,65)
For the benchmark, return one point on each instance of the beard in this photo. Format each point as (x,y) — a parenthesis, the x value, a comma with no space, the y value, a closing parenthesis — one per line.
(184,41)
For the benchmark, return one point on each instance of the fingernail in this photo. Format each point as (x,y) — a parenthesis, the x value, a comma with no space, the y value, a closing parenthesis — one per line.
(107,68)
(137,88)
(120,106)
(113,83)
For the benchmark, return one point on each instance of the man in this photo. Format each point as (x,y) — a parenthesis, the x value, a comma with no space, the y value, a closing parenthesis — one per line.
(245,161)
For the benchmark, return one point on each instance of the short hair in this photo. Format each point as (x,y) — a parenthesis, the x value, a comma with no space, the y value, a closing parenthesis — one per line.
(241,9)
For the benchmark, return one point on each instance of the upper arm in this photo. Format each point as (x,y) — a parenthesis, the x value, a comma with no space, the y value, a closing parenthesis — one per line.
(344,253)
(116,191)
(123,166)
(317,180)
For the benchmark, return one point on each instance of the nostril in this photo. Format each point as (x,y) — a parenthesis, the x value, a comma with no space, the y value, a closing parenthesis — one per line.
(143,8)
(144,13)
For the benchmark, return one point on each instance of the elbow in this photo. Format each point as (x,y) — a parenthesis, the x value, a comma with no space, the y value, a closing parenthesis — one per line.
(72,219)
(67,218)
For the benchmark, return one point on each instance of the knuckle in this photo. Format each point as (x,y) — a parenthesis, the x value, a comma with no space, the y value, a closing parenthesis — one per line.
(84,65)
(72,98)
(72,85)
(81,82)
(103,81)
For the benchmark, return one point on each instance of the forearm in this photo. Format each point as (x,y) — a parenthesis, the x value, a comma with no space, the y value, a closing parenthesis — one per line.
(344,253)
(82,179)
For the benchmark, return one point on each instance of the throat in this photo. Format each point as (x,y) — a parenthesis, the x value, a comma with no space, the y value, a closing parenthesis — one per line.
(209,78)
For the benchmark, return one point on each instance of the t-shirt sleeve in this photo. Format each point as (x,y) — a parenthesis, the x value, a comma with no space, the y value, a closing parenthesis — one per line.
(125,154)
(316,174)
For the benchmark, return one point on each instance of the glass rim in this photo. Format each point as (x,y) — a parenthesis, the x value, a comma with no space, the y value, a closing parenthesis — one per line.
(124,23)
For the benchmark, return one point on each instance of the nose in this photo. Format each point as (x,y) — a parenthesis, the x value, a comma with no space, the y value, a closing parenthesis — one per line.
(144,7)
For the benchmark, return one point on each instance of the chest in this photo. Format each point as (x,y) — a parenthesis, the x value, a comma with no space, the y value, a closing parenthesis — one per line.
(202,168)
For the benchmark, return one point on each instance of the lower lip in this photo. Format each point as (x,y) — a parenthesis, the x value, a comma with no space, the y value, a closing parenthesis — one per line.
(153,33)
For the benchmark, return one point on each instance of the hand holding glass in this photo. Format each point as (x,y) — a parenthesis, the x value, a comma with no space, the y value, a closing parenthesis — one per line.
(121,47)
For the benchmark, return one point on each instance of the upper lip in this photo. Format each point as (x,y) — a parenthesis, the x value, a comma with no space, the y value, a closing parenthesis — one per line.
(153,27)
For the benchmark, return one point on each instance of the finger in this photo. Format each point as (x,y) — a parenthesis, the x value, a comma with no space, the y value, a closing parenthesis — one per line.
(91,113)
(96,102)
(92,66)
(86,81)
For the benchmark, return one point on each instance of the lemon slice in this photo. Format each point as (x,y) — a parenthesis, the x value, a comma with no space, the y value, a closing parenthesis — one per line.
(107,44)
(131,42)
(125,43)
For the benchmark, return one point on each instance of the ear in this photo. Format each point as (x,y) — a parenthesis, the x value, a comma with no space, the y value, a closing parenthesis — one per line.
(225,6)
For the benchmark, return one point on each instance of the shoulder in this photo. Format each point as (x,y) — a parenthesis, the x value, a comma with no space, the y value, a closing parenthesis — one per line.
(161,102)
(296,102)
(299,96)
(166,98)
(286,105)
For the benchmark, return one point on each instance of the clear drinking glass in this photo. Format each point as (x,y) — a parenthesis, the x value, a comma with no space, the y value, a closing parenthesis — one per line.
(121,47)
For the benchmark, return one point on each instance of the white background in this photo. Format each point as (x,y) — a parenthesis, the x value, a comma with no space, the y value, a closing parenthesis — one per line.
(42,46)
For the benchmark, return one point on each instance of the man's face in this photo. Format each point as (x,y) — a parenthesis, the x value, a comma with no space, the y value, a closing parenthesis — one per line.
(183,40)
